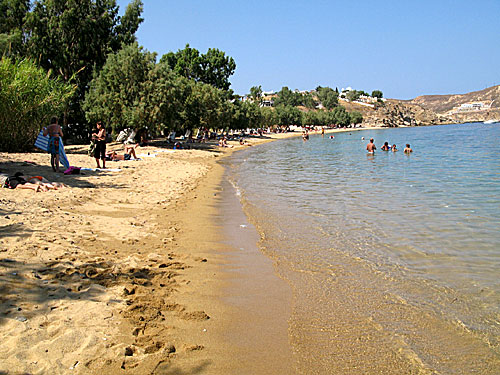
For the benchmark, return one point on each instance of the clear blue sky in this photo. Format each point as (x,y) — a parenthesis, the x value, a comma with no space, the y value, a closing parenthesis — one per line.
(404,48)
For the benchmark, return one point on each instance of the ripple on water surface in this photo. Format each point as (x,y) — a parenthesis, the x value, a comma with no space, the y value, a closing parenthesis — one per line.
(393,258)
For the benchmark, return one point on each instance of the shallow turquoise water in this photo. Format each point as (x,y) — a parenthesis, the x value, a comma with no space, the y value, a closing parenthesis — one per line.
(404,249)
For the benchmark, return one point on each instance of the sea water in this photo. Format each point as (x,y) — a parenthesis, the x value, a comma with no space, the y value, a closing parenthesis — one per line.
(393,259)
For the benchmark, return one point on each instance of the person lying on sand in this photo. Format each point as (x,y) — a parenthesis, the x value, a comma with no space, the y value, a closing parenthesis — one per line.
(45,184)
(36,183)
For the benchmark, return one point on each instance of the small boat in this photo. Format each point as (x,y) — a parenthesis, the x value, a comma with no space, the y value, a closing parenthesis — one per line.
(491,121)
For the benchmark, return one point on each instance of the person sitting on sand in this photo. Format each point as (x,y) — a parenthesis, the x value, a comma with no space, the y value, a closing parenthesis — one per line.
(370,147)
(394,148)
(223,142)
(128,154)
(408,149)
(385,147)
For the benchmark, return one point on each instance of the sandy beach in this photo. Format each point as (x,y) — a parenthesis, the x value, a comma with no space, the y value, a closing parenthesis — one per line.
(113,272)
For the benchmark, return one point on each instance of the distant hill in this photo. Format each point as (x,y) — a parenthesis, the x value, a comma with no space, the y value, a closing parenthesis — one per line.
(424,110)
(445,103)
(474,106)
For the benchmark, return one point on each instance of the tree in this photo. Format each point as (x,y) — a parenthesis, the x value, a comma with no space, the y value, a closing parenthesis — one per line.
(28,98)
(129,24)
(12,13)
(312,118)
(288,115)
(339,116)
(206,106)
(268,117)
(184,62)
(216,68)
(118,94)
(327,96)
(353,95)
(213,68)
(73,38)
(377,94)
(256,94)
(356,117)
(287,97)
(308,101)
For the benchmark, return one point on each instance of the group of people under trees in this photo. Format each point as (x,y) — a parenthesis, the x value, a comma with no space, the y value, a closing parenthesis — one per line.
(370,147)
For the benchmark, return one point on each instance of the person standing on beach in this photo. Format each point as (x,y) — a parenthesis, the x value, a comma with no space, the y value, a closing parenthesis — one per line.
(370,147)
(54,132)
(100,149)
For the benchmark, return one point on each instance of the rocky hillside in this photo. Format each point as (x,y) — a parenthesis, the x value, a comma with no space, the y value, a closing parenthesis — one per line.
(395,113)
(446,103)
(433,109)
(474,106)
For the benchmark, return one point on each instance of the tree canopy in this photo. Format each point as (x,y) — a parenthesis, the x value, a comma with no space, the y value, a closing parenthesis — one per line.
(12,14)
(213,68)
(132,91)
(328,97)
(287,97)
(74,37)
(256,94)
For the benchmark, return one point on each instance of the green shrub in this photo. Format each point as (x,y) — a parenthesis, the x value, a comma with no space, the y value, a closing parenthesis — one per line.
(28,98)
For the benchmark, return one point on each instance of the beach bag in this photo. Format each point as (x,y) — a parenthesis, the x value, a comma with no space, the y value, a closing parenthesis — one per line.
(92,147)
(12,182)
(72,170)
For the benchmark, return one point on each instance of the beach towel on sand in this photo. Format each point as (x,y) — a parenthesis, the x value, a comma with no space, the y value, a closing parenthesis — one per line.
(42,142)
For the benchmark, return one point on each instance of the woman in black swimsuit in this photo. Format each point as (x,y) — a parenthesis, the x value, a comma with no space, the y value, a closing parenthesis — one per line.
(100,149)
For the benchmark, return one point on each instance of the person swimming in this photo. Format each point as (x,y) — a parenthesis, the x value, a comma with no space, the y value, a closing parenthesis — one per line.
(385,147)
